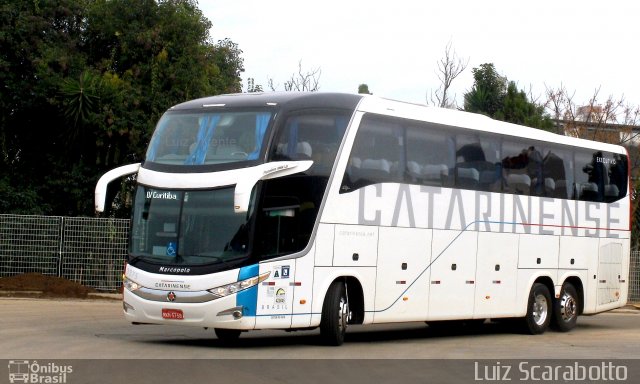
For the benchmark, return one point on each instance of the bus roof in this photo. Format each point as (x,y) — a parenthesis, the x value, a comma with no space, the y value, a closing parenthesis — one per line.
(286,100)
(378,105)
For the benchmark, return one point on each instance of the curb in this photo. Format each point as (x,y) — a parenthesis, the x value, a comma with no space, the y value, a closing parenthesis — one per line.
(110,296)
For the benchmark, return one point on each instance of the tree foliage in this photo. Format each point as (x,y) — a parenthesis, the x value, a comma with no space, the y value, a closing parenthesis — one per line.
(364,89)
(83,83)
(487,92)
(495,96)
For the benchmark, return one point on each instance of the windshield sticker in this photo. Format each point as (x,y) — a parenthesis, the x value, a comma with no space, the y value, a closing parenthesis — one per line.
(162,195)
(171,248)
(281,272)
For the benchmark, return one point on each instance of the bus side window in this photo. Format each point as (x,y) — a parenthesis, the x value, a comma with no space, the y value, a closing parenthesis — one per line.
(376,155)
(600,176)
(477,162)
(591,175)
(557,173)
(429,156)
(522,166)
(618,178)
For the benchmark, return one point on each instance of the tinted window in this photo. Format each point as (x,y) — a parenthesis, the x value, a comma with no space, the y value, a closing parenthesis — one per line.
(557,172)
(618,178)
(315,136)
(400,150)
(477,165)
(600,176)
(430,156)
(289,205)
(188,227)
(376,154)
(206,137)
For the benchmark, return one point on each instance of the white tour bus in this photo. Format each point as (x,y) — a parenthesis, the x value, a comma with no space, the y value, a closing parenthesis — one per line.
(305,210)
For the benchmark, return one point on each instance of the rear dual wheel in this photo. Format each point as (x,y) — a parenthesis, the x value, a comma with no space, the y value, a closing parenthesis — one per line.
(539,309)
(566,309)
(542,311)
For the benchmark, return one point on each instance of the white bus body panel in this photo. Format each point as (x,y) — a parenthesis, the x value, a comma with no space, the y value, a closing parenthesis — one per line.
(453,275)
(355,246)
(496,283)
(402,277)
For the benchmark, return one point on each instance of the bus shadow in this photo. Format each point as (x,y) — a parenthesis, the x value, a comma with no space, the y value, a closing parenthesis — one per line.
(363,335)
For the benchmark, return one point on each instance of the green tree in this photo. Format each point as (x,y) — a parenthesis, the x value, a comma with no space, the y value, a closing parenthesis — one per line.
(83,83)
(364,88)
(488,91)
(516,108)
(496,97)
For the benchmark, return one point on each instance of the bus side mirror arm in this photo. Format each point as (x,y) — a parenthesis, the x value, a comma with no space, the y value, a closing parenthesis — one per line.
(242,193)
(103,182)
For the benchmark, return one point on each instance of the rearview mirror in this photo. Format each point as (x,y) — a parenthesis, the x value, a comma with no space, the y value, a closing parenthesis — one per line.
(242,194)
(103,182)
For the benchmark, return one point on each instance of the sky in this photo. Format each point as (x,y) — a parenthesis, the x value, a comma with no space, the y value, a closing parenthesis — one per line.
(393,47)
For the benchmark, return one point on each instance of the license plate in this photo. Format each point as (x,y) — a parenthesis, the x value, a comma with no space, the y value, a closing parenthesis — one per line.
(172,314)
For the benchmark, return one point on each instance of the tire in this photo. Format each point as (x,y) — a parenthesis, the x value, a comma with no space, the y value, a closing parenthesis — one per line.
(565,309)
(539,308)
(335,315)
(227,336)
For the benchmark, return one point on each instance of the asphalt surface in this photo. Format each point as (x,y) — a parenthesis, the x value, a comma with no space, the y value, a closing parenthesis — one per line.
(96,329)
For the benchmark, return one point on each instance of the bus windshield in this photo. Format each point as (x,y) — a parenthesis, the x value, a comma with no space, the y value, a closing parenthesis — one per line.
(188,227)
(206,137)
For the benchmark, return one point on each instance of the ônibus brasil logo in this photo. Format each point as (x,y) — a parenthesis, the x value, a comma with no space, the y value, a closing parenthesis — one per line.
(24,371)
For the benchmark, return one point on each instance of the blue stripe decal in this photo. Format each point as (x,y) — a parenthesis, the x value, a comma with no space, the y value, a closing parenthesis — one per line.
(248,272)
(248,298)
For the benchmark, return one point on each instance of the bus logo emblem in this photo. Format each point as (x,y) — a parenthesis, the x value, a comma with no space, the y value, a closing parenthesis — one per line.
(171,296)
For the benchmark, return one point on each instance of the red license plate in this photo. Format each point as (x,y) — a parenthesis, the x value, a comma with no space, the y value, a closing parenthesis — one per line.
(172,314)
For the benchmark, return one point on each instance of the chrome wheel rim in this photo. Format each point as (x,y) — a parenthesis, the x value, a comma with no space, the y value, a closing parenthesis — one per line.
(568,307)
(343,314)
(540,310)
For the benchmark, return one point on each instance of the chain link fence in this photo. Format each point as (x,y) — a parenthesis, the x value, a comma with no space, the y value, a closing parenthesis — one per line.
(634,277)
(86,250)
(92,251)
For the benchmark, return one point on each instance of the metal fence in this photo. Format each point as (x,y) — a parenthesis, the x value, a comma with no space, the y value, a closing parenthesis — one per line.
(88,251)
(91,251)
(634,277)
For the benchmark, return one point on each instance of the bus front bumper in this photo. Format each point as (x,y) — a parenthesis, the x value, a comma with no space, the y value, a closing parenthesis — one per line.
(223,312)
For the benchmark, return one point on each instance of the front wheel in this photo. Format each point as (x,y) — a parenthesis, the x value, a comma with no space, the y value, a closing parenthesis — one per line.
(565,309)
(335,315)
(538,310)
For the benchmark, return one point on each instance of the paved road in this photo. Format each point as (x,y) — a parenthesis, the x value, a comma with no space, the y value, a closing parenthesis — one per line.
(72,329)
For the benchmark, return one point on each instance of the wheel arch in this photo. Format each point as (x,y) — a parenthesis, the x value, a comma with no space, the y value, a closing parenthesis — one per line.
(547,281)
(355,295)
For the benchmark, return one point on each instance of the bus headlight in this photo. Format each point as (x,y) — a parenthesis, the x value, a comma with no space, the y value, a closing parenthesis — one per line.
(238,286)
(130,284)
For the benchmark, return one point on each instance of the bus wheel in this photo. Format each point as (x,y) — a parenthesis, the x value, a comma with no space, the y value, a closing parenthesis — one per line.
(565,309)
(335,315)
(538,310)
(227,336)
